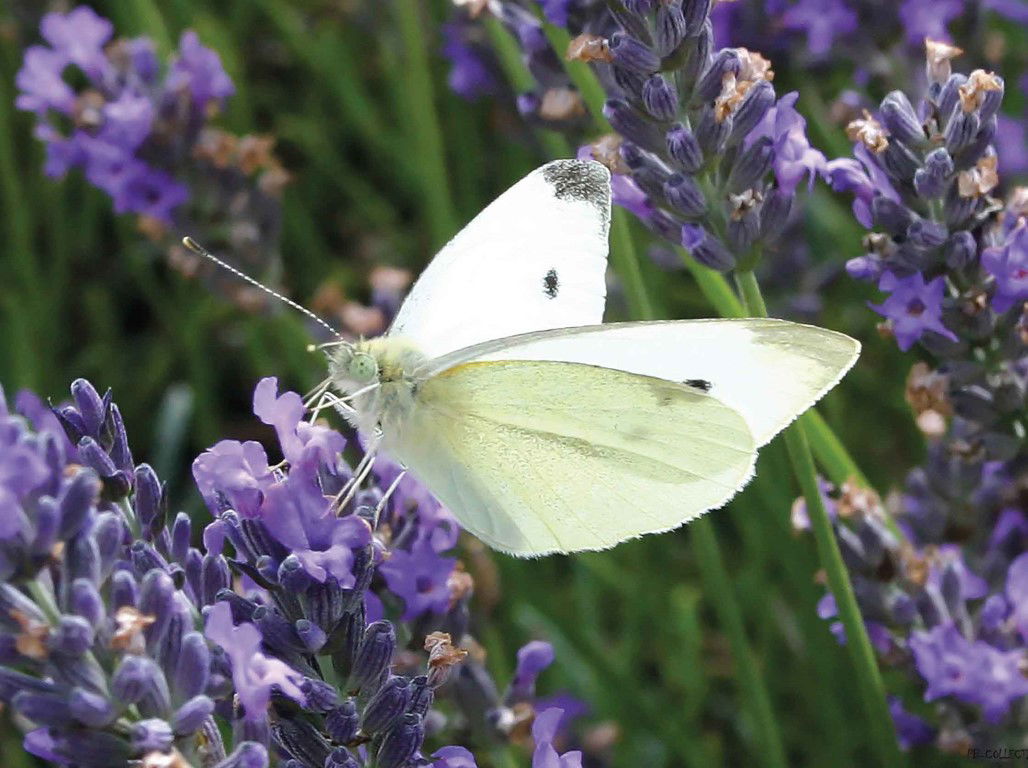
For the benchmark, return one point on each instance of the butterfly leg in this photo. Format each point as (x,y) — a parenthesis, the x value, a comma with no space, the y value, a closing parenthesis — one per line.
(386,496)
(360,473)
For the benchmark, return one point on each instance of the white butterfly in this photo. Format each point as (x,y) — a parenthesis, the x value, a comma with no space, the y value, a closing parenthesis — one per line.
(544,430)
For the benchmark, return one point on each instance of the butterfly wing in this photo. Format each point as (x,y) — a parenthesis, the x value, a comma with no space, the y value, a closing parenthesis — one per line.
(768,370)
(535,258)
(539,457)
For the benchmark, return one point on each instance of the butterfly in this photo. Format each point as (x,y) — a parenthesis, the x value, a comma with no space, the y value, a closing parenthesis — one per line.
(542,428)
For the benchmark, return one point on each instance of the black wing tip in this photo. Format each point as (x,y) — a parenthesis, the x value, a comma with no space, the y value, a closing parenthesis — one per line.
(584,180)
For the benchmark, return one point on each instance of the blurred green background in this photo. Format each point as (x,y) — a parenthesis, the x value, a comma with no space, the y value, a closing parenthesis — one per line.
(387,163)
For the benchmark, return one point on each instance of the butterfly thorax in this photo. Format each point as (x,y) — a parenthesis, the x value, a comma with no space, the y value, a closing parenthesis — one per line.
(383,376)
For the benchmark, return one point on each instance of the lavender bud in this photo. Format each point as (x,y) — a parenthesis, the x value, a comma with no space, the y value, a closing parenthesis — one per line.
(242,608)
(47,523)
(931,180)
(124,590)
(961,131)
(660,98)
(92,749)
(684,195)
(528,104)
(194,574)
(958,209)
(743,230)
(949,96)
(898,116)
(421,696)
(149,499)
(371,663)
(696,13)
(665,224)
(91,407)
(852,549)
(43,708)
(759,99)
(706,248)
(952,593)
(342,723)
(697,58)
(77,502)
(726,61)
(311,635)
(277,632)
(181,533)
(671,27)
(752,165)
(925,233)
(120,453)
(632,124)
(189,718)
(138,680)
(302,740)
(96,458)
(145,558)
(632,54)
(891,216)
(156,598)
(319,695)
(341,758)
(151,735)
(629,81)
(640,7)
(973,152)
(774,214)
(293,576)
(86,601)
(684,149)
(90,708)
(192,667)
(647,170)
(903,609)
(109,532)
(82,559)
(961,250)
(711,134)
(215,577)
(72,636)
(386,706)
(71,421)
(991,101)
(899,162)
(401,743)
(249,754)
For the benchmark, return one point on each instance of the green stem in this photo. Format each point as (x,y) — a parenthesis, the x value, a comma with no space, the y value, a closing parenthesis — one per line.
(626,264)
(424,124)
(869,678)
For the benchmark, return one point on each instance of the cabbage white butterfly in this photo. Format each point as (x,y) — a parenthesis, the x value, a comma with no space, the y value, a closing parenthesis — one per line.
(544,430)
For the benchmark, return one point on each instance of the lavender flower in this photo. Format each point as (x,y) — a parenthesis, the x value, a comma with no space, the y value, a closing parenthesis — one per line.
(104,595)
(146,139)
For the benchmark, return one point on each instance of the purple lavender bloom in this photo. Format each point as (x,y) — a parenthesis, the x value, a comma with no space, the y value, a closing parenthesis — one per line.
(544,733)
(150,192)
(453,757)
(40,83)
(236,472)
(794,157)
(198,69)
(1017,594)
(420,577)
(911,730)
(470,75)
(79,36)
(864,178)
(301,443)
(822,22)
(128,120)
(973,672)
(300,517)
(1008,265)
(533,658)
(254,675)
(913,306)
(930,19)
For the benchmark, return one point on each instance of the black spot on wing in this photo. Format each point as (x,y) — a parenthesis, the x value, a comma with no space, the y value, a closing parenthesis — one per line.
(583,180)
(701,384)
(551,285)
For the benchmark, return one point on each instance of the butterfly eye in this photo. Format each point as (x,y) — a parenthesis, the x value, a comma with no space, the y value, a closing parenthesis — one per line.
(363,367)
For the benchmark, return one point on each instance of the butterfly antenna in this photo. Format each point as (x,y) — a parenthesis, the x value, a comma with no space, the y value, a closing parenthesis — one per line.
(199,250)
